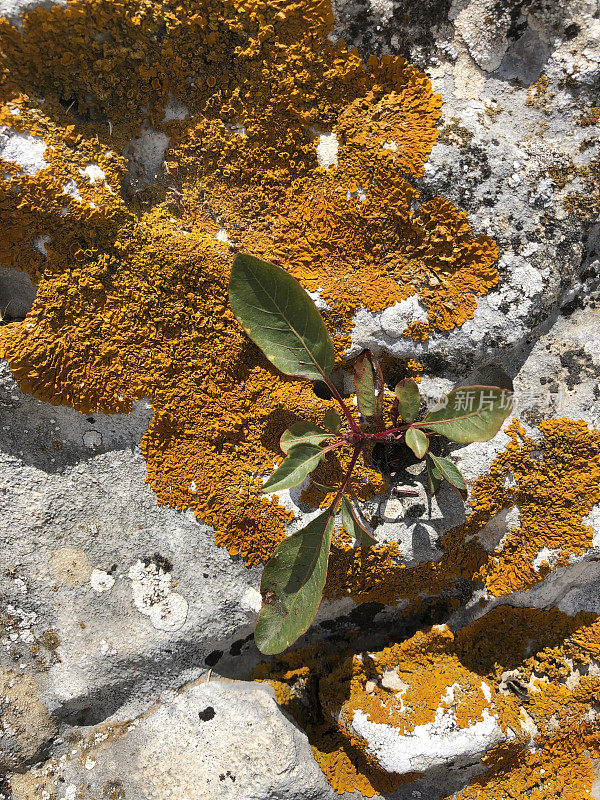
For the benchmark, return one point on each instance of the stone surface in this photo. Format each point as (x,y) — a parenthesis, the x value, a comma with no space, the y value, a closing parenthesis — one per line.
(501,140)
(26,724)
(112,605)
(208,741)
(110,598)
(459,720)
(437,743)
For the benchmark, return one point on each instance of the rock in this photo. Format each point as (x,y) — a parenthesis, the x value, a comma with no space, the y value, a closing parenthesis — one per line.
(441,742)
(17,294)
(24,149)
(13,10)
(494,158)
(145,155)
(108,598)
(27,727)
(408,726)
(112,605)
(207,741)
(443,705)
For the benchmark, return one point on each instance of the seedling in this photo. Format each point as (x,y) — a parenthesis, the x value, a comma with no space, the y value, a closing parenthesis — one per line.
(279,316)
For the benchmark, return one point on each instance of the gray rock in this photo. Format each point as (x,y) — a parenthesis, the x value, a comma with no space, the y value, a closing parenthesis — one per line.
(500,138)
(118,598)
(209,741)
(13,10)
(111,604)
(26,726)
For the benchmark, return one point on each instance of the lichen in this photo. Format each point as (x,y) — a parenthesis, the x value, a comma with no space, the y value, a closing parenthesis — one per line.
(556,656)
(296,678)
(425,664)
(538,95)
(551,729)
(589,116)
(132,287)
(554,482)
(586,177)
(26,723)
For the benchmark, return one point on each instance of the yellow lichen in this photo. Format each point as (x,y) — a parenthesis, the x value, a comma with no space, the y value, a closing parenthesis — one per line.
(554,483)
(583,203)
(550,654)
(557,483)
(589,116)
(538,95)
(132,290)
(296,680)
(132,303)
(422,668)
(419,331)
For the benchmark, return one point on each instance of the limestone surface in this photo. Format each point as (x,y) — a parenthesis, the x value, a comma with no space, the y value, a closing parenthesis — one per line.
(207,741)
(442,211)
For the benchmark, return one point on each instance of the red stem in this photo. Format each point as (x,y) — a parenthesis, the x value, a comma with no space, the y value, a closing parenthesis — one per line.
(333,446)
(383,434)
(353,460)
(338,397)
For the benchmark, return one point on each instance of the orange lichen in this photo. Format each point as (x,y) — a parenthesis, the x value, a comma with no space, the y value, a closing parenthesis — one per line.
(554,483)
(551,732)
(553,654)
(414,370)
(590,116)
(418,331)
(423,667)
(81,215)
(132,290)
(296,679)
(538,95)
(557,485)
(586,177)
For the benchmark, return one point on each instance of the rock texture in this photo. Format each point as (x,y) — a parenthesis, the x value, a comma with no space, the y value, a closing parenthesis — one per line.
(109,597)
(115,610)
(207,741)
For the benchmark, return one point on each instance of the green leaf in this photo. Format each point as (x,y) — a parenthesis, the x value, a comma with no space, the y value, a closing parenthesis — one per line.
(332,420)
(292,585)
(409,399)
(434,476)
(353,526)
(368,385)
(469,413)
(417,441)
(280,318)
(302,433)
(300,461)
(451,473)
(364,386)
